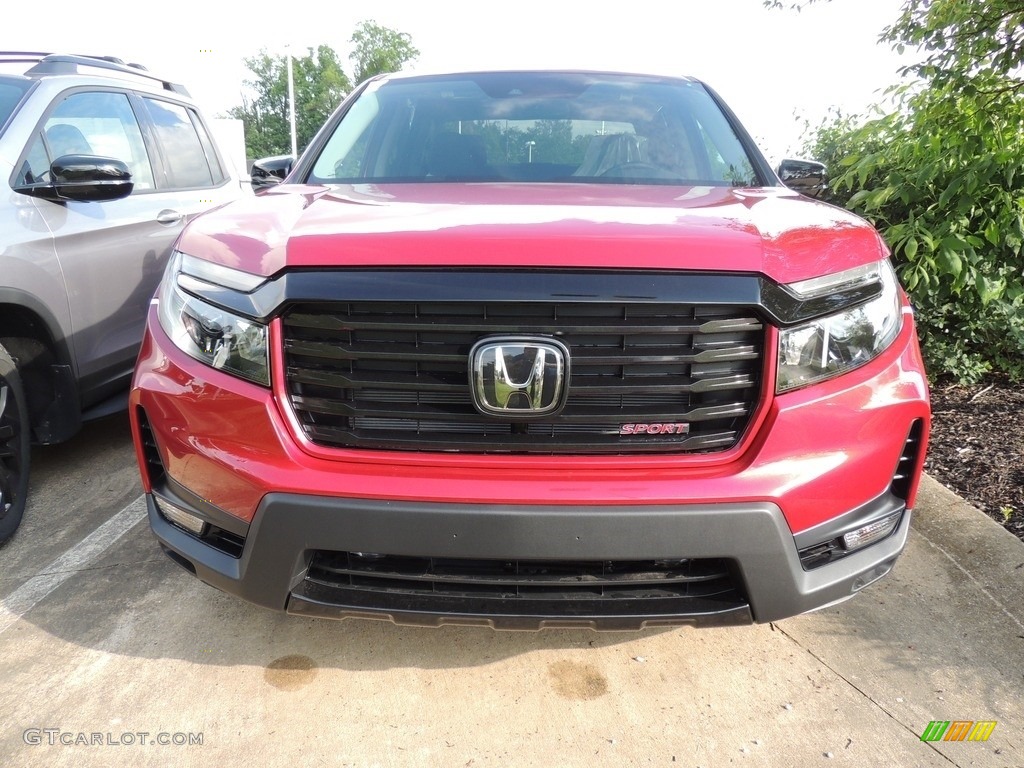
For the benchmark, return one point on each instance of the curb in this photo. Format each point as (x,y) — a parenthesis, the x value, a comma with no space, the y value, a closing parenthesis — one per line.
(981,549)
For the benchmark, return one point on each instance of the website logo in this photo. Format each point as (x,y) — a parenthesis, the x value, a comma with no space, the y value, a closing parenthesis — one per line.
(958,730)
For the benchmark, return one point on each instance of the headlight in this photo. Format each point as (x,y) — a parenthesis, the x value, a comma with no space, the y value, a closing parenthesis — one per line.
(832,345)
(221,339)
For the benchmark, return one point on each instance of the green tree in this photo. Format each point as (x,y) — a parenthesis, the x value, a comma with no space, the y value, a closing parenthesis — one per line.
(962,40)
(320,85)
(378,49)
(940,173)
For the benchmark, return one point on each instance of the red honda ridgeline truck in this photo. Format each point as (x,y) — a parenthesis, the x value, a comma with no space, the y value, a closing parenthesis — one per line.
(532,349)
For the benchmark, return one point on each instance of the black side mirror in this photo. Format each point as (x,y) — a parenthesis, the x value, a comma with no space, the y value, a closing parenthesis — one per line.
(268,171)
(805,176)
(84,178)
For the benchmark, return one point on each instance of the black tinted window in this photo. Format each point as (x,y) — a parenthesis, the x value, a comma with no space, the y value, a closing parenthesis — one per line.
(185,159)
(211,154)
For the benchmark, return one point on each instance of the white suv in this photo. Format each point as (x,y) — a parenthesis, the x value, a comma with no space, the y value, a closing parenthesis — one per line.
(101,165)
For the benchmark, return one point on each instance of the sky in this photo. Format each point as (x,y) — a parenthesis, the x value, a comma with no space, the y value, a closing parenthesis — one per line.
(775,68)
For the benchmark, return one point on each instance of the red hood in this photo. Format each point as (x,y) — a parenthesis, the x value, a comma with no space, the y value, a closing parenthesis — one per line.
(771,231)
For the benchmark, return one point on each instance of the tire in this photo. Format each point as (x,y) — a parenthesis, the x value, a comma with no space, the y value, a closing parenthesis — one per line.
(14,447)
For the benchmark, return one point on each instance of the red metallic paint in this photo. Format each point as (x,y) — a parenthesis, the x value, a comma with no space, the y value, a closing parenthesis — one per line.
(771,231)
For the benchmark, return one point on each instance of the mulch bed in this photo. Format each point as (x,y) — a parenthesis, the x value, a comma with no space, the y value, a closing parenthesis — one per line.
(977,446)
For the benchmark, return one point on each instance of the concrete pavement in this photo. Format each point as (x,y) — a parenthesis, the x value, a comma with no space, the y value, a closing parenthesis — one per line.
(130,651)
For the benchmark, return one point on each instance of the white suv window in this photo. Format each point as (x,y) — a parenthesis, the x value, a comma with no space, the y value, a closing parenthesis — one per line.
(11,94)
(93,123)
(187,155)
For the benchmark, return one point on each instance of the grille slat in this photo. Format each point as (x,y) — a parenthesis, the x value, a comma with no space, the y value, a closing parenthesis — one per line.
(390,379)
(449,354)
(499,438)
(416,323)
(395,376)
(320,405)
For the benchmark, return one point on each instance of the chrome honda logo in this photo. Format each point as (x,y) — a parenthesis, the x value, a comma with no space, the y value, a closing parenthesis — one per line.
(518,377)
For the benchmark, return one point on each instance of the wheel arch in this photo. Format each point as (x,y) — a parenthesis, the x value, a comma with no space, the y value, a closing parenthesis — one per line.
(32,334)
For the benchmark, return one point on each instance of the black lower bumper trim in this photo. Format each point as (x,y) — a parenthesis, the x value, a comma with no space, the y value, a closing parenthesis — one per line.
(302,605)
(288,530)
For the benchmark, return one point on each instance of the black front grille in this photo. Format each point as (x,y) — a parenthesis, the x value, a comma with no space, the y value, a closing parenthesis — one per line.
(523,587)
(395,375)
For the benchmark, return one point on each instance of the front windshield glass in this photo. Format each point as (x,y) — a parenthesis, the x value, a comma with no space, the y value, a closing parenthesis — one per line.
(535,127)
(11,92)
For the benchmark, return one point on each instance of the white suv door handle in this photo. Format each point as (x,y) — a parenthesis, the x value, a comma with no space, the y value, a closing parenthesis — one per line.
(167,216)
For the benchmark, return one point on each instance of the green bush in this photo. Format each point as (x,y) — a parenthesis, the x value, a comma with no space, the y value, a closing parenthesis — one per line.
(942,176)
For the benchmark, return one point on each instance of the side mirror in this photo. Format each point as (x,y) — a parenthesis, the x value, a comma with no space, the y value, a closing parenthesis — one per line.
(84,178)
(805,176)
(268,171)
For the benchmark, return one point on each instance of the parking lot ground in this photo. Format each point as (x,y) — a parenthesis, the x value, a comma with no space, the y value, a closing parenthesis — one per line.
(115,650)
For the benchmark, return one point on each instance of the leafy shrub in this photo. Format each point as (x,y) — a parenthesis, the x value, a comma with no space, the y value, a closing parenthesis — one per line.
(942,177)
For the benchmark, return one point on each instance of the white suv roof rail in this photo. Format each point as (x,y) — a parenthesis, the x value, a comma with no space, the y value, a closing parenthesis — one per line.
(67,64)
(16,56)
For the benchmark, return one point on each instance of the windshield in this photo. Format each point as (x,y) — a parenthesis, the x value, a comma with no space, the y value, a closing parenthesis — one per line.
(11,92)
(536,127)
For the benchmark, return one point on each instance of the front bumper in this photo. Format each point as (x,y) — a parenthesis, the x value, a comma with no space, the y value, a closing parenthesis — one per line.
(815,462)
(768,581)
